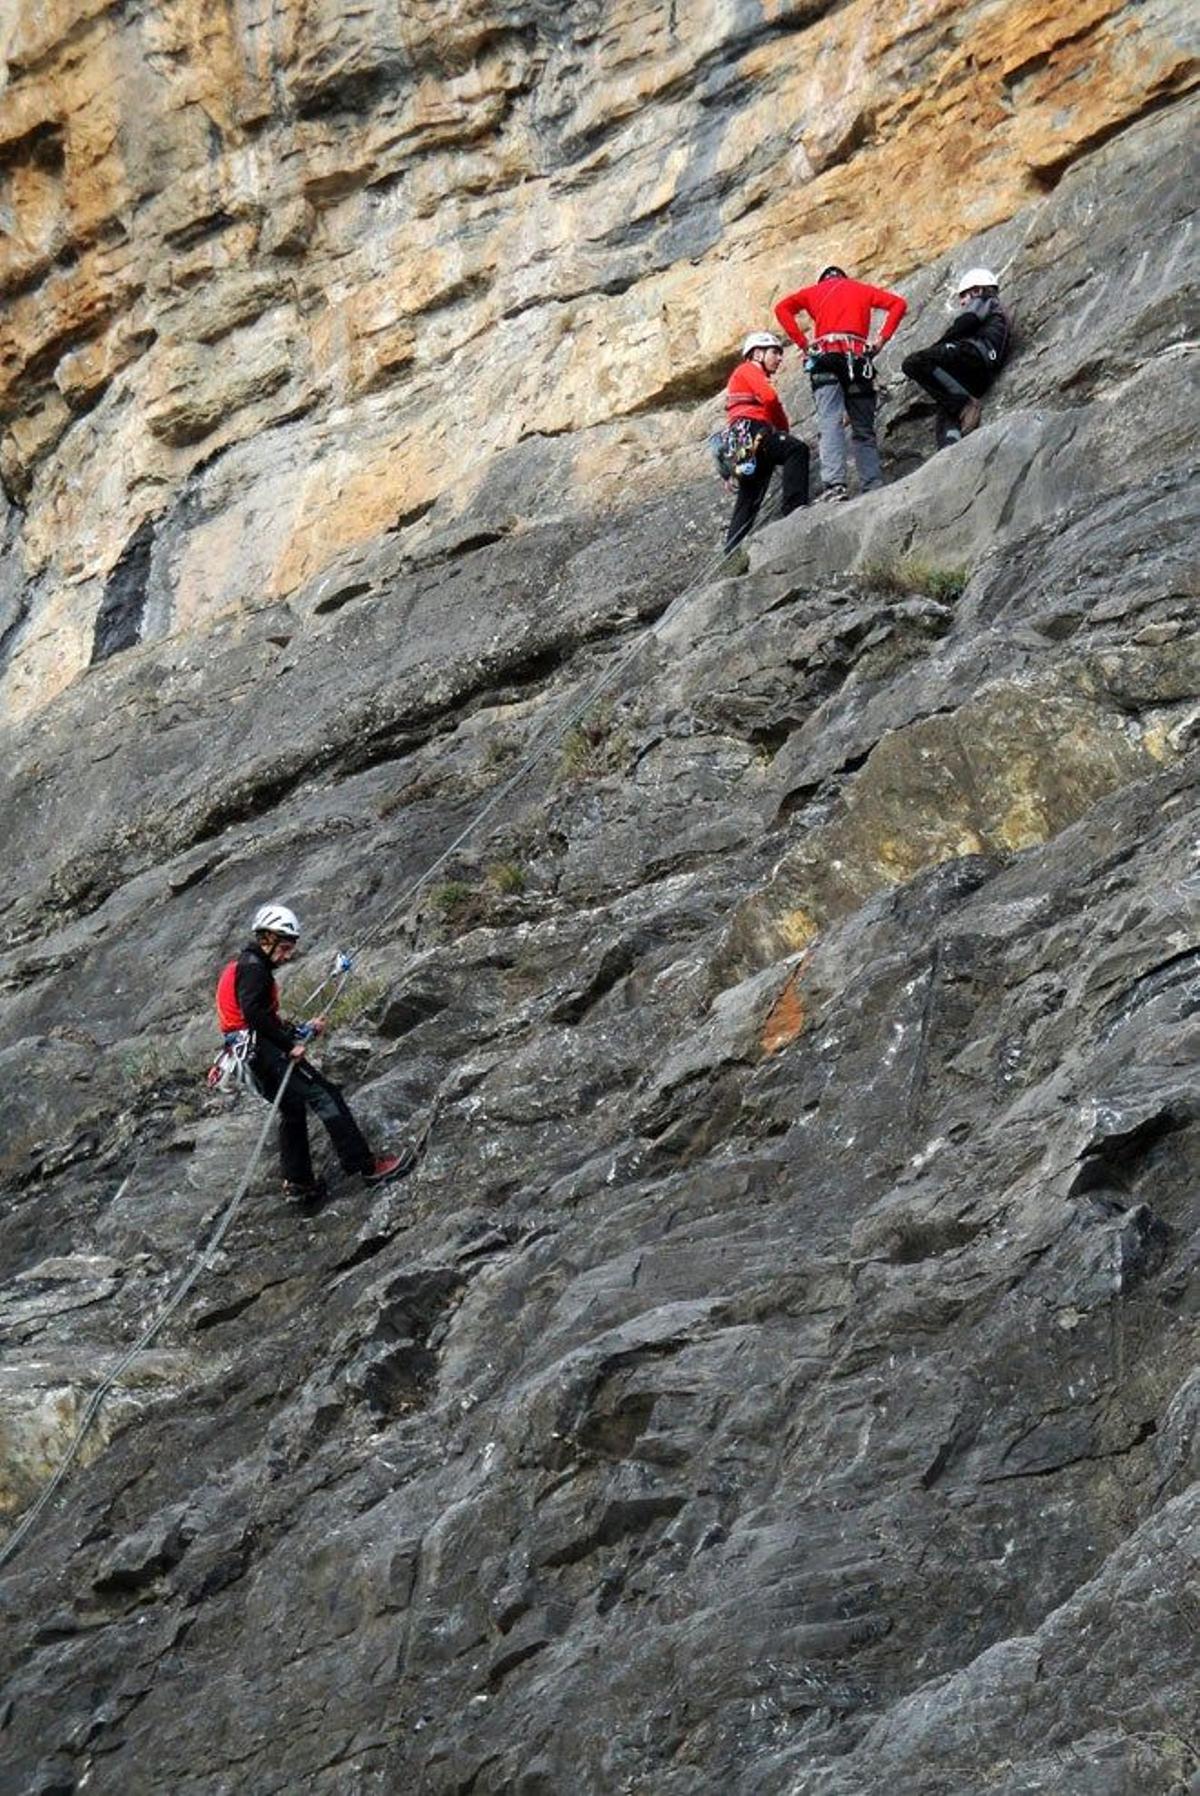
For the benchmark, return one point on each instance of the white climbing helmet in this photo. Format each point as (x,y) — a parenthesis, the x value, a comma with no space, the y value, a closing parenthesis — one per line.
(976,277)
(278,919)
(761,340)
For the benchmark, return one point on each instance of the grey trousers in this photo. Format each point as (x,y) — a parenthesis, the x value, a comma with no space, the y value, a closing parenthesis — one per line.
(832,402)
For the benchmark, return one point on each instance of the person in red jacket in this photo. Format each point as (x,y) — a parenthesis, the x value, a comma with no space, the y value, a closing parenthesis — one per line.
(248,1005)
(767,443)
(840,361)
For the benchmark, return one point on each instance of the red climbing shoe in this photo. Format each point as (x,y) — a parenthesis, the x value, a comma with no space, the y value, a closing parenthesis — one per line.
(390,1166)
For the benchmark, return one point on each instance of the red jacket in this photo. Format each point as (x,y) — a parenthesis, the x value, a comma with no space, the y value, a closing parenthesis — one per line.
(750,394)
(841,308)
(248,998)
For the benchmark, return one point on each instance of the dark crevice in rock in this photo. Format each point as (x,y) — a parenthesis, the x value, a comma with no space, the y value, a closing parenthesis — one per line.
(248,799)
(40,365)
(619,1520)
(11,635)
(342,596)
(685,389)
(119,620)
(383,749)
(615,963)
(771,737)
(412,516)
(1176,972)
(470,286)
(236,1306)
(392,743)
(367,1249)
(41,147)
(611,288)
(395,1372)
(1145,1431)
(199,230)
(503,1663)
(354,90)
(1111,1162)
(795,800)
(797,797)
(465,545)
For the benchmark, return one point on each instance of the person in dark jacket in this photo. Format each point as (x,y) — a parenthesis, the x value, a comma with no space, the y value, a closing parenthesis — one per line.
(248,1001)
(769,444)
(958,369)
(840,362)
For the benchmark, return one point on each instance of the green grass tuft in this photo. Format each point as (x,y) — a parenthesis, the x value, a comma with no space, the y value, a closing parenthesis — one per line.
(507,878)
(908,574)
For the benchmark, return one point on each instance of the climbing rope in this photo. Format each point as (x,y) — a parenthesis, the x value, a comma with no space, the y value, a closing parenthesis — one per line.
(554,732)
(342,967)
(201,1264)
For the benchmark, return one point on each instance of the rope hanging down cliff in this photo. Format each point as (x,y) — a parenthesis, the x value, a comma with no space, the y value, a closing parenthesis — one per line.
(342,966)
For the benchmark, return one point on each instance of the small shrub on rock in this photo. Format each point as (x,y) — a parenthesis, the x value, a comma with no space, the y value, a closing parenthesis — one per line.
(907,574)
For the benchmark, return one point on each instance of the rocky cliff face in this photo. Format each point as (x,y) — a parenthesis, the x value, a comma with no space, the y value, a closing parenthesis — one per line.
(779,1375)
(277,279)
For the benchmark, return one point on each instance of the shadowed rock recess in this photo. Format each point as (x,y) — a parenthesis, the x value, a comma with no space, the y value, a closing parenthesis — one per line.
(779,1376)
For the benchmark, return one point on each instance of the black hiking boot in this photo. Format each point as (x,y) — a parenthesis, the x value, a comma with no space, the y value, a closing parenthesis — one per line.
(307,1199)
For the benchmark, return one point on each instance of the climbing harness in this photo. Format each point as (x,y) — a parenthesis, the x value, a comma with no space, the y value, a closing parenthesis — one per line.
(841,364)
(342,966)
(230,1071)
(735,450)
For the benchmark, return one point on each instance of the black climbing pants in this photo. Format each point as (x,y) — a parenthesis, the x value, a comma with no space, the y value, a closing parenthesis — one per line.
(776,449)
(308,1090)
(951,373)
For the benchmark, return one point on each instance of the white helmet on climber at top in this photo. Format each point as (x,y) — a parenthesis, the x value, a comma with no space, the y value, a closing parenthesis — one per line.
(976,277)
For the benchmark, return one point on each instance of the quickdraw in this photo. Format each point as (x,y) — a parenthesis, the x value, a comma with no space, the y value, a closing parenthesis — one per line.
(735,450)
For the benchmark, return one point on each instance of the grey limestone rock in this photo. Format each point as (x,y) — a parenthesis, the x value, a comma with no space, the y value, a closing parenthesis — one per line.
(777,1376)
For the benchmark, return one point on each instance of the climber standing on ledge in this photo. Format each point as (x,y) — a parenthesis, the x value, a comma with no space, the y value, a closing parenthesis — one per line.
(958,369)
(248,1014)
(840,362)
(757,439)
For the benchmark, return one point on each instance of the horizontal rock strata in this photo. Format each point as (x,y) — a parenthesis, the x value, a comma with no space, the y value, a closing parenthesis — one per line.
(778,1375)
(281,278)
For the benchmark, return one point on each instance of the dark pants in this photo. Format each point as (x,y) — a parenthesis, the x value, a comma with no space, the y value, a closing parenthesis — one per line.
(308,1090)
(775,450)
(951,373)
